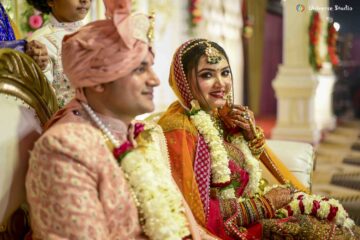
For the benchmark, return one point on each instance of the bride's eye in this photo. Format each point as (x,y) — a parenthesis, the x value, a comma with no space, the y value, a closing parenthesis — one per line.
(225,73)
(206,75)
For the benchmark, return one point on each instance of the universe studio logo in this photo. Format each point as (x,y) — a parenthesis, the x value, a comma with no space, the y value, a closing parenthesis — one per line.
(331,8)
(300,8)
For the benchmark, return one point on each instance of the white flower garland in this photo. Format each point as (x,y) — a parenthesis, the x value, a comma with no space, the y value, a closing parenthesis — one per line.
(159,199)
(221,173)
(252,165)
(148,173)
(219,157)
(341,218)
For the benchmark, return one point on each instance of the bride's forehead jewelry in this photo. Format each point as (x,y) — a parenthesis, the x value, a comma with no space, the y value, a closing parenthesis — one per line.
(213,55)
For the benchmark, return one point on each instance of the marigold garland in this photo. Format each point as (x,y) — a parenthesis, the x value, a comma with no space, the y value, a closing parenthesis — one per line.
(195,15)
(314,38)
(331,40)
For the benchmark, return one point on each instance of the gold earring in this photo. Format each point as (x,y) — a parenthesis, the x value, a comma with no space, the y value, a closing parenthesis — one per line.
(229,100)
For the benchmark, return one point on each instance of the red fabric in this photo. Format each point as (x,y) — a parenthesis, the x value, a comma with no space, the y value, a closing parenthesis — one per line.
(216,225)
(215,222)
(28,236)
(202,169)
(242,177)
(182,84)
(254,231)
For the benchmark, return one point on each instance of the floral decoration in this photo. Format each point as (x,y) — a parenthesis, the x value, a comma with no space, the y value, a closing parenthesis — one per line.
(195,15)
(32,20)
(248,29)
(317,206)
(147,170)
(314,39)
(121,151)
(219,157)
(331,40)
(159,201)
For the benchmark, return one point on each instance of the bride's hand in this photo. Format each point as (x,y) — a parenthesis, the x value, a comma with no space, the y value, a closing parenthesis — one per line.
(279,197)
(238,116)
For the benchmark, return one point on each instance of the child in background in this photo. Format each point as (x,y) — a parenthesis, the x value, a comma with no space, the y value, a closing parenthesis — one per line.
(10,38)
(65,18)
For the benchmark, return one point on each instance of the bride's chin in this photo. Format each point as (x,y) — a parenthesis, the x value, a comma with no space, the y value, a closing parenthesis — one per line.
(218,105)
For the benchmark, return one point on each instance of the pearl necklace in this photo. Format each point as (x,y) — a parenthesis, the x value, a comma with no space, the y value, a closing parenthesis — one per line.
(100,125)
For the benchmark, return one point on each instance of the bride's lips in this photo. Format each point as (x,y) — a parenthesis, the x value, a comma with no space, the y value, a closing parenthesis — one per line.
(217,94)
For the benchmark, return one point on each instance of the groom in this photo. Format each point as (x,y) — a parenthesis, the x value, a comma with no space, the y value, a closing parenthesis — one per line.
(94,172)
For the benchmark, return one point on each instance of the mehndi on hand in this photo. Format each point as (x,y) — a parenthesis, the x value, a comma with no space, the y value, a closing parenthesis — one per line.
(241,117)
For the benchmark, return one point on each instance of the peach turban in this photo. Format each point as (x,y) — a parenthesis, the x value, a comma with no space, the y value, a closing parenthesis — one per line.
(105,50)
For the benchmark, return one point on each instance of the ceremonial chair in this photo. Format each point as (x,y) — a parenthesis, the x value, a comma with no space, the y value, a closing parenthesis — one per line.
(26,103)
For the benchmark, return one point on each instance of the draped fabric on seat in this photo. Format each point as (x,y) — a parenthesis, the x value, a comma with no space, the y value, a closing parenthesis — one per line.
(26,102)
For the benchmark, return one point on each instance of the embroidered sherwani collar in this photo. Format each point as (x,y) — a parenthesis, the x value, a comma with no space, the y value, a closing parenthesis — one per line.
(69,26)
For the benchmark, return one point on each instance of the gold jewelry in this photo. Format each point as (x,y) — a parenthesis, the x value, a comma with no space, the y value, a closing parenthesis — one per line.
(246,116)
(213,55)
(229,99)
(150,33)
(256,145)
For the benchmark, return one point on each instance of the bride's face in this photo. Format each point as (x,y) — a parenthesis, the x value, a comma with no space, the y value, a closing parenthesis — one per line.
(211,83)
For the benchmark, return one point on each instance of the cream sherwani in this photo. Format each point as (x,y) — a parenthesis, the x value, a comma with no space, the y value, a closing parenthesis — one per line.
(77,190)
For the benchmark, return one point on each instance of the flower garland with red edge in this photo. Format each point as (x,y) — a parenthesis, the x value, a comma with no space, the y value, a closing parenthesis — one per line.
(147,170)
(331,44)
(221,174)
(121,151)
(195,15)
(158,199)
(314,38)
(317,206)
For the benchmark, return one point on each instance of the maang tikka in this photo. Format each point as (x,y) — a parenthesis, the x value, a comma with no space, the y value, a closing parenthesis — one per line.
(213,55)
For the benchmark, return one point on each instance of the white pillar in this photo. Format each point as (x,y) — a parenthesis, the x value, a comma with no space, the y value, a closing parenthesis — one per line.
(324,116)
(295,84)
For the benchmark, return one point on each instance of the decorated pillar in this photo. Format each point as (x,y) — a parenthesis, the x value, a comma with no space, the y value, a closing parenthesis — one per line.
(324,116)
(296,82)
